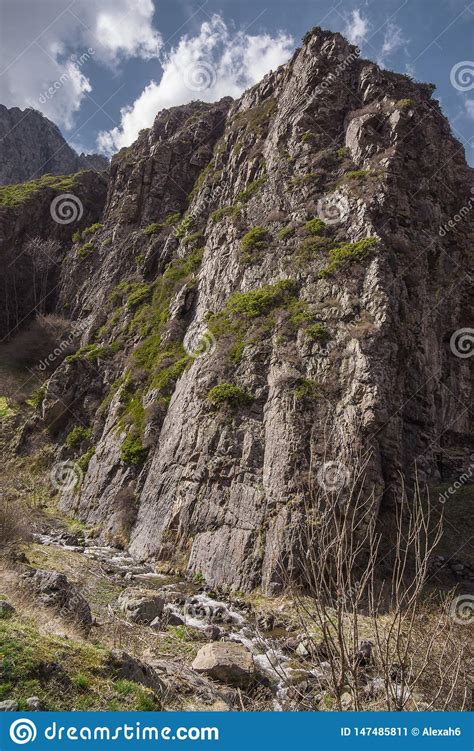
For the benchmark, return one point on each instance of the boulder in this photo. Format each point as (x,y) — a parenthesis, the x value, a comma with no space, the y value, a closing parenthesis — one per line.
(132,669)
(33,704)
(227,662)
(213,632)
(172,618)
(141,605)
(6,610)
(8,706)
(184,682)
(55,590)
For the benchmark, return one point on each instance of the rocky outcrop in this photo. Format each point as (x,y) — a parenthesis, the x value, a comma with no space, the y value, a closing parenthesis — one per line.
(270,295)
(32,146)
(55,590)
(132,669)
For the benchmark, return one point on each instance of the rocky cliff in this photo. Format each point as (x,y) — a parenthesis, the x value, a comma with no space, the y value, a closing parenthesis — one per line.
(32,146)
(268,296)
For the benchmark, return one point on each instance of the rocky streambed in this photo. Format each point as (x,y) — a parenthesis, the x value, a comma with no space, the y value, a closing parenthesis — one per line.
(243,647)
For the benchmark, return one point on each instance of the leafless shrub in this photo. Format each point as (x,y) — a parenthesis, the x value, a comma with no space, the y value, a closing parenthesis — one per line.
(373,642)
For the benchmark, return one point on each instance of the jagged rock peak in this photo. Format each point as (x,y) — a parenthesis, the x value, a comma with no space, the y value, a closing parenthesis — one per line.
(32,146)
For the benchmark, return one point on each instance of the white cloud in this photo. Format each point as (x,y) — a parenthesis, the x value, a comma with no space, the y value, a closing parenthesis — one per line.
(213,64)
(356,28)
(41,57)
(392,41)
(128,31)
(469,107)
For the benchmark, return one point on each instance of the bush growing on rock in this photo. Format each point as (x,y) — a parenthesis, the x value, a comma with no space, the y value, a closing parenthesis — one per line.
(228,393)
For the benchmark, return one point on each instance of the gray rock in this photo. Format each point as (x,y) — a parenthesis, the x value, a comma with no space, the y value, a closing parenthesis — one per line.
(33,704)
(141,605)
(213,632)
(227,662)
(6,609)
(218,477)
(132,669)
(55,590)
(34,146)
(8,706)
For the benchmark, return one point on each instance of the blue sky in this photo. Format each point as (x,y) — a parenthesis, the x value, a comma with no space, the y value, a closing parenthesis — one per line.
(101,69)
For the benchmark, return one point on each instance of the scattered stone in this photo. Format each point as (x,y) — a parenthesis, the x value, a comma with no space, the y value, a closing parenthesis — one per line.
(363,656)
(291,644)
(8,706)
(183,681)
(346,700)
(172,618)
(303,649)
(375,687)
(33,704)
(227,662)
(213,632)
(141,605)
(132,669)
(6,610)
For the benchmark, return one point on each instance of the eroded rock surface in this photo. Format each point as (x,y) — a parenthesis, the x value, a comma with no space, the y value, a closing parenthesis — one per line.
(336,345)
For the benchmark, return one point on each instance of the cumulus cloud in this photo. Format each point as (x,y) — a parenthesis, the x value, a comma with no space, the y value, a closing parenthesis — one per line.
(215,63)
(392,41)
(356,27)
(44,56)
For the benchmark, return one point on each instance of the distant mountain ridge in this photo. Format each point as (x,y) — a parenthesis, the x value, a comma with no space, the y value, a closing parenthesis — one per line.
(32,146)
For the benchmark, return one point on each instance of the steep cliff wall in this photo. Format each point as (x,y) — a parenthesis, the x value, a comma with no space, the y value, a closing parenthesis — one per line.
(37,221)
(269,295)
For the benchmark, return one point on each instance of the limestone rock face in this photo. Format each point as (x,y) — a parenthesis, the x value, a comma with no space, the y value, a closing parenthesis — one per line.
(226,662)
(33,146)
(293,249)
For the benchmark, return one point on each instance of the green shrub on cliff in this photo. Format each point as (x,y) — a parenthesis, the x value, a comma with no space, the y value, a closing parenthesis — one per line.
(228,393)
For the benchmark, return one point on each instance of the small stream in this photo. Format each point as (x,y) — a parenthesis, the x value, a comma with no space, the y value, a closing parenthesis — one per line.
(187,604)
